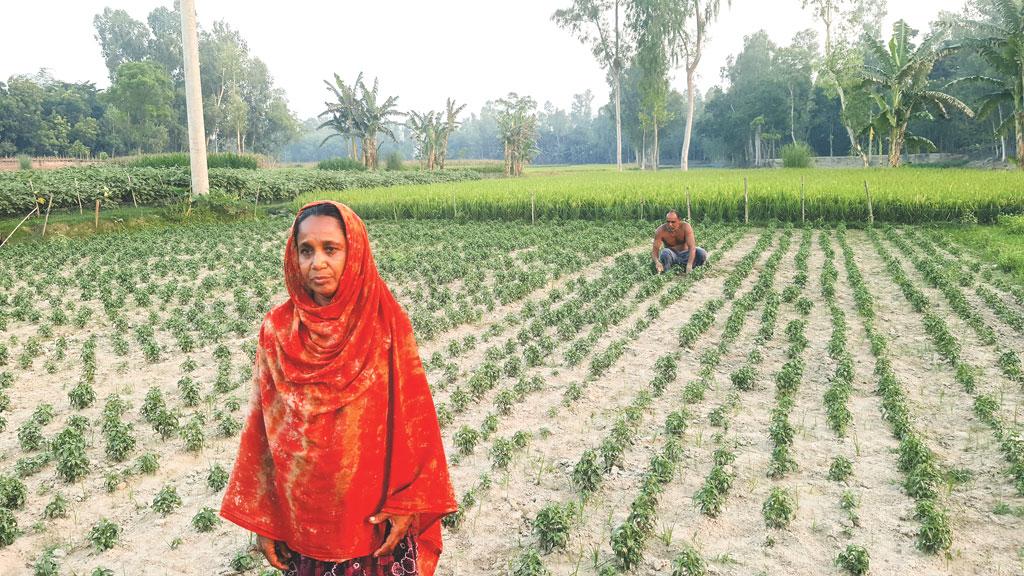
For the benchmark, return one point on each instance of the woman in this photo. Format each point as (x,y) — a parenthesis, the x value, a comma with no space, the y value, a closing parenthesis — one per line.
(341,468)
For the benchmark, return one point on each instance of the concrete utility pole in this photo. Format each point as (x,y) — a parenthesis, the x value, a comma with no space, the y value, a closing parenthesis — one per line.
(194,98)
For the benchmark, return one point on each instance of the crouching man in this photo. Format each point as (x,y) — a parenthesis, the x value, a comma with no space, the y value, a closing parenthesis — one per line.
(680,247)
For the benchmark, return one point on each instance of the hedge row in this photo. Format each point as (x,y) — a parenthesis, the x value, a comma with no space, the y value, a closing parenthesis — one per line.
(115,186)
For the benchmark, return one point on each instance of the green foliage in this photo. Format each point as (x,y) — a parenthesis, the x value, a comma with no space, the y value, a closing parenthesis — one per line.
(832,196)
(217,478)
(243,562)
(183,160)
(46,565)
(148,463)
(854,559)
(779,509)
(395,161)
(57,507)
(552,525)
(341,164)
(205,520)
(797,155)
(529,564)
(69,450)
(12,493)
(166,500)
(840,470)
(114,186)
(8,527)
(104,535)
(689,563)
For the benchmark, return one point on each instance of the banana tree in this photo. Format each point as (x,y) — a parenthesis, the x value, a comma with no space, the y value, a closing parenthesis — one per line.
(1002,47)
(899,86)
(451,123)
(359,115)
(342,113)
(427,129)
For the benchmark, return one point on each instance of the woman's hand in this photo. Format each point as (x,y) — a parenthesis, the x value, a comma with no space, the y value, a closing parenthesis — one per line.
(399,527)
(276,552)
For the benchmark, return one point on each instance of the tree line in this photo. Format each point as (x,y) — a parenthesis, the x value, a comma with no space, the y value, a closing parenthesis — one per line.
(843,88)
(144,108)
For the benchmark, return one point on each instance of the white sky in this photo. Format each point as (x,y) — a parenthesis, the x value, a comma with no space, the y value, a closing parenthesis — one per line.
(472,50)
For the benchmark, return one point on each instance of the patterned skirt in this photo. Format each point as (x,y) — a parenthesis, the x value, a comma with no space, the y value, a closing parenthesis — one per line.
(402,562)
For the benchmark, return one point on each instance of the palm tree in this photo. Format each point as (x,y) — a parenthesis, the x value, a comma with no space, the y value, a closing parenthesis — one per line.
(358,115)
(1002,47)
(899,86)
(450,125)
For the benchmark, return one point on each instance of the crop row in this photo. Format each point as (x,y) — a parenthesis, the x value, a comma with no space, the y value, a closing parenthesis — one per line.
(916,460)
(118,185)
(949,347)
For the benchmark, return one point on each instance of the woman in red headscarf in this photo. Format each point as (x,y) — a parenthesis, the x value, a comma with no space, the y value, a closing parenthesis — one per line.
(341,468)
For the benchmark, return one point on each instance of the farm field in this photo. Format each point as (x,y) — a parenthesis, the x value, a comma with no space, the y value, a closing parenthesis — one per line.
(912,196)
(812,398)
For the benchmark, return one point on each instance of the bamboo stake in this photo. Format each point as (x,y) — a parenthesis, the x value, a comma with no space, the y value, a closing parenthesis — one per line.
(803,208)
(688,219)
(97,213)
(47,219)
(79,196)
(746,202)
(35,209)
(533,208)
(871,212)
(254,206)
(132,190)
(32,189)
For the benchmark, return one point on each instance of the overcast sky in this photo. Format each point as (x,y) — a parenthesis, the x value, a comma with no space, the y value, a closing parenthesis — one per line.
(472,50)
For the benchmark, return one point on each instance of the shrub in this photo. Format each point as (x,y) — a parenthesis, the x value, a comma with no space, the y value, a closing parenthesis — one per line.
(46,565)
(12,493)
(104,535)
(217,479)
(57,508)
(148,463)
(8,527)
(69,448)
(855,560)
(796,155)
(205,520)
(341,164)
(778,509)
(552,526)
(24,162)
(166,500)
(395,161)
(840,470)
(183,160)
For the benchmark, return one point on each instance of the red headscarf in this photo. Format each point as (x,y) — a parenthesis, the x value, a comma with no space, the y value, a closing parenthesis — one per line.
(341,424)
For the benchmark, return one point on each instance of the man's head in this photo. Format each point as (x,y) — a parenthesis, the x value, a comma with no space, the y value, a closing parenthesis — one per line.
(672,220)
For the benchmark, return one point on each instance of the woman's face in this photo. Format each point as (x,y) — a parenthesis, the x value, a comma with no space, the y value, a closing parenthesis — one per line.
(322,249)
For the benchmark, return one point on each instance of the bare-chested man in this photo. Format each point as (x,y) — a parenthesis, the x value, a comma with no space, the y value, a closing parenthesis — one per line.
(680,247)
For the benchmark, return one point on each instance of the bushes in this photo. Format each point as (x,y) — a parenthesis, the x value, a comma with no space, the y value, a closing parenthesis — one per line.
(341,164)
(182,160)
(115,185)
(796,155)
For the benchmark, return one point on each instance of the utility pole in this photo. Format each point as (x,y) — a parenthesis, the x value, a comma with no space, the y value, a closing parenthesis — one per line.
(194,99)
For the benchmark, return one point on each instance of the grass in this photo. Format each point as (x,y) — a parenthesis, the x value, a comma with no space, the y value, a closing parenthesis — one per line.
(1002,244)
(587,192)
